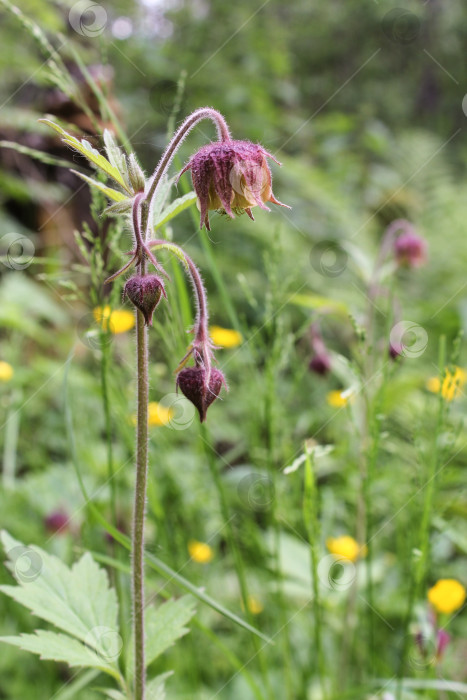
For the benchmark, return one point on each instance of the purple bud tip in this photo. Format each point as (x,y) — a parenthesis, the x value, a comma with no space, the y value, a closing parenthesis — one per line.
(145,293)
(395,351)
(197,389)
(443,639)
(57,522)
(410,249)
(320,364)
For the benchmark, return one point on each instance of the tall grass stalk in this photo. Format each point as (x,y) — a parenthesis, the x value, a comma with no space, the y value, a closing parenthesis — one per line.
(233,546)
(311,519)
(419,566)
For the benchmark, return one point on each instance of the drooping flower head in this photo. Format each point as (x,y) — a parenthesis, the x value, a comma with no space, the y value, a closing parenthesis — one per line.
(232,177)
(410,249)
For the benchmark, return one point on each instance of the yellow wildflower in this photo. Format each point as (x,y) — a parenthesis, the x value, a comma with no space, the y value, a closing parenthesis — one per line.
(200,552)
(118,321)
(225,337)
(452,385)
(6,372)
(159,414)
(346,547)
(447,595)
(255,606)
(338,399)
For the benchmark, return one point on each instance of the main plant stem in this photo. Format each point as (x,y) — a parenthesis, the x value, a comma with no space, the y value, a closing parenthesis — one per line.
(140,496)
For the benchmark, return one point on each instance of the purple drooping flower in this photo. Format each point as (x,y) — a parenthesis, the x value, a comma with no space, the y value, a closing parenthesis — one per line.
(57,522)
(231,176)
(410,249)
(320,364)
(199,388)
(443,639)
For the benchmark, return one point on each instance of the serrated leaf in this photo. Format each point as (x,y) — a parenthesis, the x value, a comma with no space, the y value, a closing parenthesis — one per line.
(163,191)
(164,625)
(78,601)
(60,647)
(85,148)
(122,207)
(114,154)
(155,688)
(109,191)
(175,208)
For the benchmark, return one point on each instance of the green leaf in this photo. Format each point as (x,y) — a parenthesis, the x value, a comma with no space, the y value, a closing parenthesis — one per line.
(114,153)
(41,156)
(164,625)
(155,689)
(314,301)
(85,148)
(78,601)
(60,647)
(175,249)
(109,191)
(175,208)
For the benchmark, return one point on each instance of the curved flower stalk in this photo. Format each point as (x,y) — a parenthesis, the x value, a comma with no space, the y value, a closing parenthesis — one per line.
(228,175)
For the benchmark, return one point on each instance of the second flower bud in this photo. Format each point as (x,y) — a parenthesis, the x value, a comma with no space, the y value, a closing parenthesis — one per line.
(145,293)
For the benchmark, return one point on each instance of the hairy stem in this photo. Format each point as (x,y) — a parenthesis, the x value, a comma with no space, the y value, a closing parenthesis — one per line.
(190,122)
(140,491)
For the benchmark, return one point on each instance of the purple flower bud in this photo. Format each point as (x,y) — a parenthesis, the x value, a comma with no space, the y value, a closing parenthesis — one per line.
(443,639)
(320,363)
(410,249)
(145,293)
(57,522)
(231,176)
(395,351)
(194,385)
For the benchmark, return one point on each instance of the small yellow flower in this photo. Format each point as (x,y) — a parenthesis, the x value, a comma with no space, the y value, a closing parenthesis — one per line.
(118,321)
(225,337)
(200,552)
(452,385)
(255,606)
(338,399)
(447,595)
(159,414)
(6,372)
(345,546)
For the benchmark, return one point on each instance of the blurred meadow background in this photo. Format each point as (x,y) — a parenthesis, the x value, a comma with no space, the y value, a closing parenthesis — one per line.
(325,501)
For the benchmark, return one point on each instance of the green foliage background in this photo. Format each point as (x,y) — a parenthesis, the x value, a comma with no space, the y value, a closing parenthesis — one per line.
(368,116)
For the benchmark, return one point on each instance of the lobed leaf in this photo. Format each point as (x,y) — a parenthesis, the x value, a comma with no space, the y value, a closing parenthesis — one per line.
(164,625)
(93,155)
(60,647)
(78,601)
(175,208)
